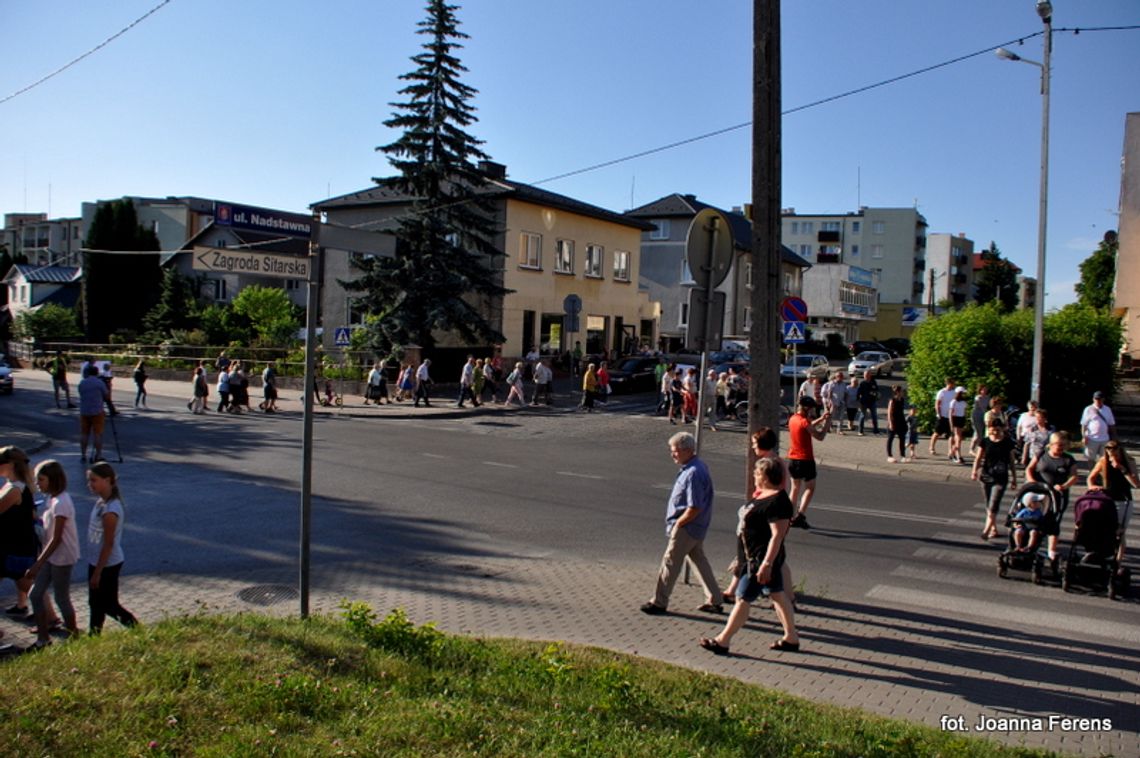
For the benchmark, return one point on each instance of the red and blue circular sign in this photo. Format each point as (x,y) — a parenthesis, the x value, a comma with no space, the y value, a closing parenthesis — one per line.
(793,309)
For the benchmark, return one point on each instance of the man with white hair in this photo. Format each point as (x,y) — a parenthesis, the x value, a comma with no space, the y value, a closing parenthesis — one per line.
(687,517)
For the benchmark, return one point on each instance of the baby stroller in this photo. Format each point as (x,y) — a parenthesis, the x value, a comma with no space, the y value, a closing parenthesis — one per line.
(1029,560)
(1096,538)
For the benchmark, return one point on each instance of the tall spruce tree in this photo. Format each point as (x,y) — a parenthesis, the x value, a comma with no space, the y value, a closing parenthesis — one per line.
(120,285)
(442,276)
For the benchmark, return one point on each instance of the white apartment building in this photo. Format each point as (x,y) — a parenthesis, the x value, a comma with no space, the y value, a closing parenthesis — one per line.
(889,242)
(45,242)
(949,269)
(840,298)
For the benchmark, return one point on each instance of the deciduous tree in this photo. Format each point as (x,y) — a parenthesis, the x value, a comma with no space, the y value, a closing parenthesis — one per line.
(1098,274)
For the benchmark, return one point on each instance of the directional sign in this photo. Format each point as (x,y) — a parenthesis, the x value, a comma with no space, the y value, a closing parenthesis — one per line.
(572,305)
(793,309)
(246,262)
(793,332)
(342,337)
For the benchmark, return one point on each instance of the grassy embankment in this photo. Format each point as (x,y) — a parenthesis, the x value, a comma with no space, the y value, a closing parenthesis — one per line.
(250,685)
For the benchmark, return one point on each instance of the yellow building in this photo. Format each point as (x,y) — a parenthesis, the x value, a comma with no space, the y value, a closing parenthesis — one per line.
(554,247)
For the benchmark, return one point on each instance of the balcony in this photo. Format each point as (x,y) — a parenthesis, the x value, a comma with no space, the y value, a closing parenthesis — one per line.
(828,237)
(960,279)
(920,243)
(919,264)
(827,258)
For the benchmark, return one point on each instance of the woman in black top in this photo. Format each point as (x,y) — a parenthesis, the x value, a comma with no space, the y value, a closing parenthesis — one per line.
(1113,473)
(1058,471)
(994,465)
(896,423)
(763,524)
(19,544)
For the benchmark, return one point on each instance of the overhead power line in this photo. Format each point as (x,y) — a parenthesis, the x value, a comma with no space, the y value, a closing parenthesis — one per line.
(832,98)
(92,51)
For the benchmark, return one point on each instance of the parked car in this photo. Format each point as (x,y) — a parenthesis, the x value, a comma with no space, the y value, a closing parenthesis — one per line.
(878,362)
(899,347)
(862,346)
(633,374)
(6,383)
(805,365)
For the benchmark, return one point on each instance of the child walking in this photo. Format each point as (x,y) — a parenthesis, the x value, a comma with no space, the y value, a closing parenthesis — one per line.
(911,433)
(105,550)
(53,567)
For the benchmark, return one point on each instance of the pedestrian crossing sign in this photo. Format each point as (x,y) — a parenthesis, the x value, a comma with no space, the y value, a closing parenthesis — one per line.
(793,332)
(342,336)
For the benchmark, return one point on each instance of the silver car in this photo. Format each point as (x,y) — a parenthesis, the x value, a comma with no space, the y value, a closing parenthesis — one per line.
(874,361)
(805,365)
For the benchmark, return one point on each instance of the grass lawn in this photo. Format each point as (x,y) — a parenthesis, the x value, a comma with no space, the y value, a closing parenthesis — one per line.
(251,685)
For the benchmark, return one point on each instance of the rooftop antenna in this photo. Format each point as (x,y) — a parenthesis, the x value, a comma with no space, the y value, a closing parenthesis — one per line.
(632,184)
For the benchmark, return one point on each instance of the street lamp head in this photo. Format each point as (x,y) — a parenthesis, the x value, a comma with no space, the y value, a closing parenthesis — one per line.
(1008,55)
(1045,10)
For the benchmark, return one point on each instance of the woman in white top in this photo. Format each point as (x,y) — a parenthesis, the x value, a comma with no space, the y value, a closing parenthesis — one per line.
(105,550)
(59,556)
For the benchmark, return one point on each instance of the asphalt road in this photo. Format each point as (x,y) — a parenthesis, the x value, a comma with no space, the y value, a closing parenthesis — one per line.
(220,496)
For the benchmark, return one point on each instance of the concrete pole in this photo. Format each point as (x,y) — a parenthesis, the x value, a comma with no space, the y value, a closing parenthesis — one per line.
(764,336)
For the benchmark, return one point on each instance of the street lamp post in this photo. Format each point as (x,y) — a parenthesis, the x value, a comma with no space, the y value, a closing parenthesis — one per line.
(1045,11)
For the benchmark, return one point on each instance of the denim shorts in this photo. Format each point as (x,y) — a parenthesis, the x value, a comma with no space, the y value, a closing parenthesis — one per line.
(748,589)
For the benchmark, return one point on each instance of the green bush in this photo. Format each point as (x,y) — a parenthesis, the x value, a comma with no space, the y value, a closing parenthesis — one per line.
(981,345)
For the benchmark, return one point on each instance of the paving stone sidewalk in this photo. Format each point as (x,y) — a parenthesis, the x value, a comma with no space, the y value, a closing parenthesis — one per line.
(898,663)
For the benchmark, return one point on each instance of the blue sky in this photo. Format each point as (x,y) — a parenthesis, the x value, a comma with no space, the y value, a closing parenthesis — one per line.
(281,103)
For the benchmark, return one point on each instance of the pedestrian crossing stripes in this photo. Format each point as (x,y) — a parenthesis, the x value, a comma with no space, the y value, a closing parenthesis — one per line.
(1011,616)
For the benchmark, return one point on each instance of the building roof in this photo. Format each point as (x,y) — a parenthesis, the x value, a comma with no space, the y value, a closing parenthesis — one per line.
(687,206)
(495,188)
(45,274)
(271,243)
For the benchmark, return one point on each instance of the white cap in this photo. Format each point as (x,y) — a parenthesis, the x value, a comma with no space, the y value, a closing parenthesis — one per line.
(1034,497)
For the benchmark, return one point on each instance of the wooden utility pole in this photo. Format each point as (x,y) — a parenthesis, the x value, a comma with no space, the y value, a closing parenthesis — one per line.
(764,337)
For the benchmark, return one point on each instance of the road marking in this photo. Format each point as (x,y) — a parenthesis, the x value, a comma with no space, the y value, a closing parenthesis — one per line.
(971,558)
(500,465)
(581,476)
(1015,617)
(883,514)
(432,455)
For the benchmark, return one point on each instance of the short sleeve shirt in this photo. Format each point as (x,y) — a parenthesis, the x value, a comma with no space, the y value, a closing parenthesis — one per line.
(95,533)
(944,401)
(61,507)
(693,488)
(92,392)
(1095,422)
(799,439)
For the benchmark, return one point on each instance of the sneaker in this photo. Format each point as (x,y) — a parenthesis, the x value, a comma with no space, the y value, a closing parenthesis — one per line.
(891,460)
(653,609)
(800,522)
(19,611)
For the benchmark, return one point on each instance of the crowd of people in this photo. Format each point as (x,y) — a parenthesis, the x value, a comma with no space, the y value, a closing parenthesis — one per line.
(37,564)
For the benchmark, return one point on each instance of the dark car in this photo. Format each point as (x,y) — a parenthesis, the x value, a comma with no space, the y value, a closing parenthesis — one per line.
(862,346)
(6,383)
(633,374)
(899,347)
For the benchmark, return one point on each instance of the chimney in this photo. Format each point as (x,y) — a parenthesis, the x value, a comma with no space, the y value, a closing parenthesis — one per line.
(493,170)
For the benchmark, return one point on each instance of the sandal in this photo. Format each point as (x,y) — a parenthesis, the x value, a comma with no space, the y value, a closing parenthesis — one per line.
(708,643)
(781,644)
(711,608)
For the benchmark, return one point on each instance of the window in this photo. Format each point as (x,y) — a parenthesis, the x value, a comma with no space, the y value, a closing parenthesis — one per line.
(621,265)
(686,274)
(829,226)
(530,250)
(662,230)
(795,227)
(684,315)
(564,256)
(878,227)
(747,318)
(808,227)
(748,275)
(854,251)
(594,255)
(856,226)
(805,251)
(876,251)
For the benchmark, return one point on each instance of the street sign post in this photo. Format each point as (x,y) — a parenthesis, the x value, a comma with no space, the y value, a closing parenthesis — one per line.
(572,306)
(343,336)
(263,220)
(794,333)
